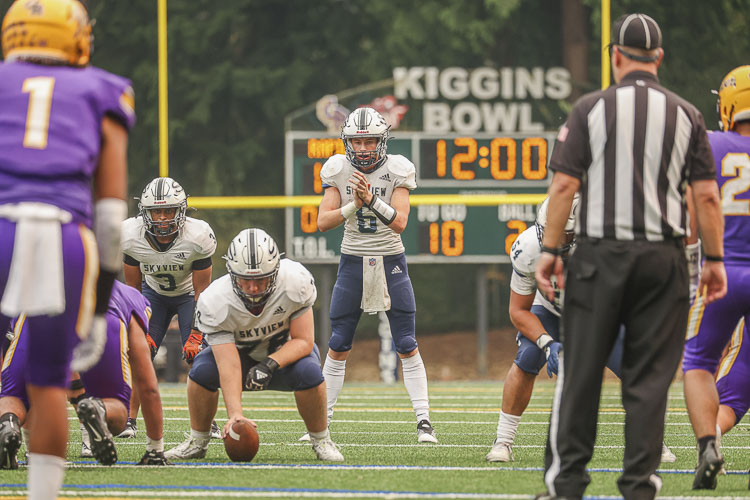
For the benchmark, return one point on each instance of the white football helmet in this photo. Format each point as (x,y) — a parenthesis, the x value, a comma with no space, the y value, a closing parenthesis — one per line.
(252,255)
(365,122)
(163,192)
(570,224)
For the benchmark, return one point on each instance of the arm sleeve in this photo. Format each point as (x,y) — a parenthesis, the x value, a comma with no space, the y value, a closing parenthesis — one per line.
(200,264)
(127,259)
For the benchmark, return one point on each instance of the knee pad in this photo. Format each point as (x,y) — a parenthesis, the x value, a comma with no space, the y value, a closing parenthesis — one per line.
(204,371)
(529,358)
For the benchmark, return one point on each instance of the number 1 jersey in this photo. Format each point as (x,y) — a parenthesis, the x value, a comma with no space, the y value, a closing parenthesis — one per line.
(50,132)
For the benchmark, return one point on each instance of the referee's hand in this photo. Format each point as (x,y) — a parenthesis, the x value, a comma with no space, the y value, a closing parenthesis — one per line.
(713,285)
(546,266)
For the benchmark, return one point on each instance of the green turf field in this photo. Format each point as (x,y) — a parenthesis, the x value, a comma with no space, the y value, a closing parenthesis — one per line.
(376,429)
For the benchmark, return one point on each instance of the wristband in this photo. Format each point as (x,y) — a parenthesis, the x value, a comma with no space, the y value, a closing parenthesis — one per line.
(348,210)
(543,341)
(551,250)
(271,363)
(382,210)
(154,444)
(714,258)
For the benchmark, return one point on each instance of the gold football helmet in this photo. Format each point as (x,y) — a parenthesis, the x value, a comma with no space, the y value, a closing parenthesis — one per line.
(734,97)
(57,31)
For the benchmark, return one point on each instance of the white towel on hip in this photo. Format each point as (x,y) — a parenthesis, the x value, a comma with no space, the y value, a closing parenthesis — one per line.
(375,295)
(36,283)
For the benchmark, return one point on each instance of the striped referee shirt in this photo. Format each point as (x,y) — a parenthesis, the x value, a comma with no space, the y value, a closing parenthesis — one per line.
(634,147)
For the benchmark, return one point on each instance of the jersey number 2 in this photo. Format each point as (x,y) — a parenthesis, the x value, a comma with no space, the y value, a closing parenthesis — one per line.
(40,90)
(736,166)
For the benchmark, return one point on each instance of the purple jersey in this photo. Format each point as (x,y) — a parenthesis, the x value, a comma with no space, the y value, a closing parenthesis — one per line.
(732,156)
(50,132)
(127,302)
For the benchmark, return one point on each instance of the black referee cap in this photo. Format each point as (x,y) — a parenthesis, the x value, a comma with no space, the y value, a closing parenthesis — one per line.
(636,30)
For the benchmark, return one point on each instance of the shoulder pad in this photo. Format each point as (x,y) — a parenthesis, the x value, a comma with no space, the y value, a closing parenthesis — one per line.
(212,308)
(400,165)
(298,283)
(525,252)
(201,235)
(130,230)
(332,167)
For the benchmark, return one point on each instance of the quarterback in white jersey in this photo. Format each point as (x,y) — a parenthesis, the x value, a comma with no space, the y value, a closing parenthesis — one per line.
(167,256)
(258,322)
(367,190)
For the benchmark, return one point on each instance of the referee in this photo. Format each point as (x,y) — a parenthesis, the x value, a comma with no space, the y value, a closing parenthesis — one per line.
(629,150)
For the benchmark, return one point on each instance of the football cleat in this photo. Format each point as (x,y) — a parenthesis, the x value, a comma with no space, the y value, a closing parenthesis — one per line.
(130,430)
(154,458)
(500,452)
(215,430)
(190,448)
(327,450)
(10,441)
(85,444)
(667,457)
(425,432)
(50,31)
(93,416)
(709,465)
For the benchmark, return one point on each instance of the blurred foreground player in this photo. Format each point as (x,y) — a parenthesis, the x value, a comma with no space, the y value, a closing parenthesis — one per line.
(63,124)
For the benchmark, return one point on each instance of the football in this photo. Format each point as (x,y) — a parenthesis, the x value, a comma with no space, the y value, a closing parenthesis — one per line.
(241,444)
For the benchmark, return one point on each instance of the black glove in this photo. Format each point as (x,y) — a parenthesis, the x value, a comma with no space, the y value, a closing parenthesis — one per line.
(154,458)
(260,375)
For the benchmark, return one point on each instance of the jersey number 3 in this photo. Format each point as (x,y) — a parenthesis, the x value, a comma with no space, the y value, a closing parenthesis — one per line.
(40,90)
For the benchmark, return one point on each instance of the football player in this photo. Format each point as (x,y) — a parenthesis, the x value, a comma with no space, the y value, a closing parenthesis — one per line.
(102,394)
(168,258)
(63,128)
(367,190)
(711,326)
(538,338)
(258,322)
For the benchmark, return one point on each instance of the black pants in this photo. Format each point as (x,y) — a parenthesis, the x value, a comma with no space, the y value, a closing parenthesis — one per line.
(643,285)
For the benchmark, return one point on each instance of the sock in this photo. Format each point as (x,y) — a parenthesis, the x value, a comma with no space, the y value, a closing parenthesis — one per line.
(415,380)
(703,442)
(333,371)
(25,436)
(201,437)
(319,435)
(45,476)
(507,425)
(155,444)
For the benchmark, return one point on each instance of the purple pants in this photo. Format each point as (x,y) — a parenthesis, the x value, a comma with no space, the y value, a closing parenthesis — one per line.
(109,378)
(734,372)
(53,338)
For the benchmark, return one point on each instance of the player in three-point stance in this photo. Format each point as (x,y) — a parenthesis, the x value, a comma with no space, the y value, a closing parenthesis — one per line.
(258,322)
(367,190)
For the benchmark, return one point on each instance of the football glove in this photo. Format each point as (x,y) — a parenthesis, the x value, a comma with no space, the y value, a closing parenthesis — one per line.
(260,375)
(192,346)
(154,458)
(152,346)
(551,351)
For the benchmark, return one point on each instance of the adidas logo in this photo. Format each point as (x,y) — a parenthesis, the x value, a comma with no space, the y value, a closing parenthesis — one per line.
(385,177)
(279,310)
(181,256)
(396,270)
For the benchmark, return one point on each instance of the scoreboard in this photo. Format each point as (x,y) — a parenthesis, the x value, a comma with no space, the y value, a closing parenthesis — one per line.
(512,163)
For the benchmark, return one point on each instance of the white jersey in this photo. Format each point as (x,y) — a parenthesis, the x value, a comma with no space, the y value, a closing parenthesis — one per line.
(223,318)
(364,233)
(523,256)
(170,272)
